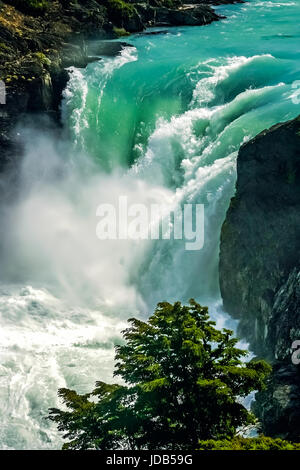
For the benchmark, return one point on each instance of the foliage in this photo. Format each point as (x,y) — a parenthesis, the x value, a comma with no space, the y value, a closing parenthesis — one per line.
(119,11)
(183,380)
(33,7)
(43,60)
(251,443)
(120,32)
(4,47)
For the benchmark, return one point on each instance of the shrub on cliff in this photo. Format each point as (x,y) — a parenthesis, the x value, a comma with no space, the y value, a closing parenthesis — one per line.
(32,7)
(183,380)
(252,443)
(119,12)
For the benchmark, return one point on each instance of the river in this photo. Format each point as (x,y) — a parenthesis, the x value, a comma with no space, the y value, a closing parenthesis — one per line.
(161,123)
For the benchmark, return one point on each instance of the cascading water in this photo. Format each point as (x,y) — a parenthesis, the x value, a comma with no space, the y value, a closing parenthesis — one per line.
(160,123)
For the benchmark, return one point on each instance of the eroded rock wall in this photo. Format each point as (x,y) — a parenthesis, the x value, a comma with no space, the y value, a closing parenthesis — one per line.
(259,265)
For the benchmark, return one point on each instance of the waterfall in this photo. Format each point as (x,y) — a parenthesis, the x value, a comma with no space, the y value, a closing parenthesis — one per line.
(160,124)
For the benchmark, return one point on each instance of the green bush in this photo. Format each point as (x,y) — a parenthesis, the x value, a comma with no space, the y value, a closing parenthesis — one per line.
(251,443)
(43,60)
(120,32)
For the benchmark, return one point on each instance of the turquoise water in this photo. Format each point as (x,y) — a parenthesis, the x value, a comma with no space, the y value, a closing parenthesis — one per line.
(165,78)
(176,108)
(160,123)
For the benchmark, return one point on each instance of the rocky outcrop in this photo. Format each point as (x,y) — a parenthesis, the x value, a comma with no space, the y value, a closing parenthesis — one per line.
(215,2)
(260,261)
(184,15)
(284,328)
(34,52)
(260,242)
(278,407)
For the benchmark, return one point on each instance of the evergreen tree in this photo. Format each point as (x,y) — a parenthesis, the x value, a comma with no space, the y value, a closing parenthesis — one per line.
(184,381)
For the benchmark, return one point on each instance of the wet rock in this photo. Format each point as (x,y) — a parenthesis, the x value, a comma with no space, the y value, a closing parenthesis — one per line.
(278,407)
(154,33)
(284,326)
(185,15)
(106,48)
(260,242)
(16,104)
(188,15)
(260,267)
(214,2)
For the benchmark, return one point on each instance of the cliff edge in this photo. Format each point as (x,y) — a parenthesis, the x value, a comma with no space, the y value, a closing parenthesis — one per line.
(260,266)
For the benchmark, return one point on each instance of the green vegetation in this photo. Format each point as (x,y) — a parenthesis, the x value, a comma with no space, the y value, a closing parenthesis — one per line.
(120,32)
(4,47)
(44,60)
(254,443)
(183,380)
(119,11)
(31,6)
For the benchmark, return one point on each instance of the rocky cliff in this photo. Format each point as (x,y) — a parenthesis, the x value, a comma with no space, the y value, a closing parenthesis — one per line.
(259,266)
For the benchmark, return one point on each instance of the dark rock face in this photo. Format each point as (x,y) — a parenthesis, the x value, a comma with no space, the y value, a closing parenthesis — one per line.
(260,243)
(259,265)
(185,15)
(106,48)
(278,407)
(33,65)
(215,2)
(284,327)
(9,146)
